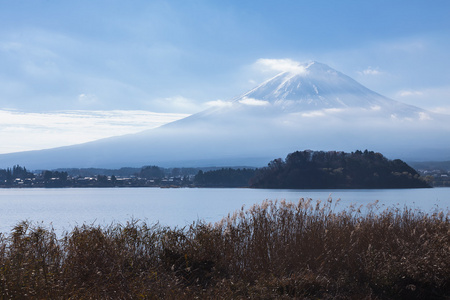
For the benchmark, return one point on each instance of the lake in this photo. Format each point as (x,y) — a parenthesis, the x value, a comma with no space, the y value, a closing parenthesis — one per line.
(67,207)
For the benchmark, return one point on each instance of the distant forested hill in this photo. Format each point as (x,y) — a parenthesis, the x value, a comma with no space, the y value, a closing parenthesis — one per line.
(431,165)
(324,170)
(225,177)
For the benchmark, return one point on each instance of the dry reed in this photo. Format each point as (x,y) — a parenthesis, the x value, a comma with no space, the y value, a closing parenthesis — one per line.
(280,250)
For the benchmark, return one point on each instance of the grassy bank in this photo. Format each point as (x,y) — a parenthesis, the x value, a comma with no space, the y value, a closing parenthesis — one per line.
(274,250)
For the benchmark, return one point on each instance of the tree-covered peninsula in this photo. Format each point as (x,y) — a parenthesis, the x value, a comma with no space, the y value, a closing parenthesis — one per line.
(324,170)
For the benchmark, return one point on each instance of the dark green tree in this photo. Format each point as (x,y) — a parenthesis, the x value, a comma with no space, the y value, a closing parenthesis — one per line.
(151,172)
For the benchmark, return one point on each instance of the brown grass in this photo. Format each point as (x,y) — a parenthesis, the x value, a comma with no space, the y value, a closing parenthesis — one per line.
(301,250)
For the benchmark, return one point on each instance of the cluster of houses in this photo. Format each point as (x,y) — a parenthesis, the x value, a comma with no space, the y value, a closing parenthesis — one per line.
(39,180)
(436,178)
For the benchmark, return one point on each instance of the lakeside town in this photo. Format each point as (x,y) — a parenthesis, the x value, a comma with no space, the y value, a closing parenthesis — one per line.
(98,181)
(20,177)
(153,176)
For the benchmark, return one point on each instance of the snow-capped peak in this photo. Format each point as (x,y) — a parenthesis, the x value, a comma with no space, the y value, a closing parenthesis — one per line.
(315,86)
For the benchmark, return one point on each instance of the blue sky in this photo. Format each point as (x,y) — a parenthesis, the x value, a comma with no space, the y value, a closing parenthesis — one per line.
(180,56)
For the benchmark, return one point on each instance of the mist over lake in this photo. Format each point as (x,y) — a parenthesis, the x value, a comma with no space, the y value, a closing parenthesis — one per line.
(66,208)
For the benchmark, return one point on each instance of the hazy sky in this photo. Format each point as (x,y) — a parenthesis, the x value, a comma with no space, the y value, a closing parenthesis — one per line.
(181,56)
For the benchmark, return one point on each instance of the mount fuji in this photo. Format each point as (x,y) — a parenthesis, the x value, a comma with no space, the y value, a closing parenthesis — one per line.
(312,107)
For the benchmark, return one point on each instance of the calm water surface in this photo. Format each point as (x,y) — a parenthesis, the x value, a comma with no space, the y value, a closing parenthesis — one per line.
(65,208)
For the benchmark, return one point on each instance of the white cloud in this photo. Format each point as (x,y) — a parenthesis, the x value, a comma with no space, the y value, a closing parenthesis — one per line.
(323,112)
(22,131)
(254,102)
(313,114)
(441,110)
(370,71)
(424,116)
(409,93)
(281,65)
(434,99)
(334,110)
(219,103)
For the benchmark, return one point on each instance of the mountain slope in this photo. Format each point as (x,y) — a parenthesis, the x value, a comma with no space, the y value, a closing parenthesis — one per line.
(315,108)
